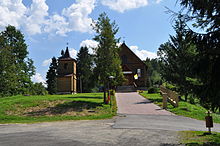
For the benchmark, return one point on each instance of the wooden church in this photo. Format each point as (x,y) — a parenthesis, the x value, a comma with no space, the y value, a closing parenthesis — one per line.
(134,69)
(66,80)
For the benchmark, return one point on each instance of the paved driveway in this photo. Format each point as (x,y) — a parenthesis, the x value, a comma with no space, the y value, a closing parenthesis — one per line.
(139,113)
(133,103)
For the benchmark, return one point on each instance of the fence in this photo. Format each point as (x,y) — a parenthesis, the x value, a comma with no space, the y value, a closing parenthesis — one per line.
(170,96)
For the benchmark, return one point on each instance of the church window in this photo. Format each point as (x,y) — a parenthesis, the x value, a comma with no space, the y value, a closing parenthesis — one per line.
(124,59)
(139,72)
(65,65)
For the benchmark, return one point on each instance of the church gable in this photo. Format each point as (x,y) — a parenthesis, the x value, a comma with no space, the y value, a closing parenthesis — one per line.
(132,65)
(128,56)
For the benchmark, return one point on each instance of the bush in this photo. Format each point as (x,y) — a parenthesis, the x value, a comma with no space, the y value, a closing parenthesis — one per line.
(38,89)
(153,90)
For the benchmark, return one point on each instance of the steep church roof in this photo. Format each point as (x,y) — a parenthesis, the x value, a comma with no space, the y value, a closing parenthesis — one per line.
(124,46)
(66,55)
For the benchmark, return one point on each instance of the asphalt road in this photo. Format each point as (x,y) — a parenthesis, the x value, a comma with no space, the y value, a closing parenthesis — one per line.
(82,133)
(123,130)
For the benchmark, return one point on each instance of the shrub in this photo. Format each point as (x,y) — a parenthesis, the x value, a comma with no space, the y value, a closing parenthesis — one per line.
(38,89)
(153,90)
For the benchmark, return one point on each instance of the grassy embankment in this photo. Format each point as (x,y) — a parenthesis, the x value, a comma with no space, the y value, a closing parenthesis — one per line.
(199,138)
(30,109)
(185,109)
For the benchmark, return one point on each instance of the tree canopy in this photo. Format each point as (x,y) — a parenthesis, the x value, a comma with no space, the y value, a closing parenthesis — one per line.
(16,68)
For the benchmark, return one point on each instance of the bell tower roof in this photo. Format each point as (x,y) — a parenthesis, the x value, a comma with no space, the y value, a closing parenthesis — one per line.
(66,55)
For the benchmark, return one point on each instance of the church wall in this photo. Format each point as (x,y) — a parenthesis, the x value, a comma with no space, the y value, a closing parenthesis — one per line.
(66,67)
(64,84)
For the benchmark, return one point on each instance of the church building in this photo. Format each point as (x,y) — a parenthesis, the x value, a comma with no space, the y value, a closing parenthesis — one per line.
(66,80)
(134,69)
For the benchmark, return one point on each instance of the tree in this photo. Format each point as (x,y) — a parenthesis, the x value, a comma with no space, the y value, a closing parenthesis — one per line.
(153,71)
(38,89)
(85,70)
(177,59)
(16,68)
(52,77)
(107,58)
(206,14)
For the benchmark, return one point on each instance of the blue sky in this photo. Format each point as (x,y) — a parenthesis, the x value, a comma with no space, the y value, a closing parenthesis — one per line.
(49,24)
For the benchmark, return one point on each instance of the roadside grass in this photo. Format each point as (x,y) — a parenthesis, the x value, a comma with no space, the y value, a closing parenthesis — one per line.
(31,109)
(185,109)
(199,138)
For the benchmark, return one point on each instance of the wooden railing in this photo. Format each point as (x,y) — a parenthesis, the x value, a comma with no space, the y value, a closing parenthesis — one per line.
(170,96)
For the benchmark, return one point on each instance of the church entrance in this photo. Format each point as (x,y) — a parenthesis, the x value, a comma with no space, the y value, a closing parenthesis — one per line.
(129,79)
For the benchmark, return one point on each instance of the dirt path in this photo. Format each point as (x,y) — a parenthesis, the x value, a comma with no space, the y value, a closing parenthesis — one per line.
(133,103)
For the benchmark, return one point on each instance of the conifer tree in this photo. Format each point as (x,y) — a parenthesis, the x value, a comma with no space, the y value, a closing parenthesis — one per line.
(205,15)
(107,58)
(52,77)
(84,70)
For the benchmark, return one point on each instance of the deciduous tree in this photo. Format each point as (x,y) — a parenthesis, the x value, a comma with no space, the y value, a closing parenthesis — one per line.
(16,68)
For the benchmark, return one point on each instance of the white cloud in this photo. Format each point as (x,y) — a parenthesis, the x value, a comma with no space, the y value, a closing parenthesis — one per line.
(37,78)
(11,12)
(35,19)
(158,1)
(73,53)
(124,5)
(78,15)
(90,44)
(46,62)
(143,54)
(57,24)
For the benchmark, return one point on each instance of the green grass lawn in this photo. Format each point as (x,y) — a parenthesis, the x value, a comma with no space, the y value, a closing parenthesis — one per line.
(184,109)
(199,138)
(30,109)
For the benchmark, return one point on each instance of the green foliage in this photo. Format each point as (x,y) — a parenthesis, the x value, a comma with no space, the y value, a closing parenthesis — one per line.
(52,77)
(16,68)
(30,109)
(177,58)
(85,71)
(153,72)
(38,89)
(199,138)
(107,58)
(113,103)
(152,90)
(205,15)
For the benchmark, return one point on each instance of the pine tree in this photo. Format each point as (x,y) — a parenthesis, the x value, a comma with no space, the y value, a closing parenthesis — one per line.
(52,77)
(107,58)
(177,57)
(205,15)
(84,70)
